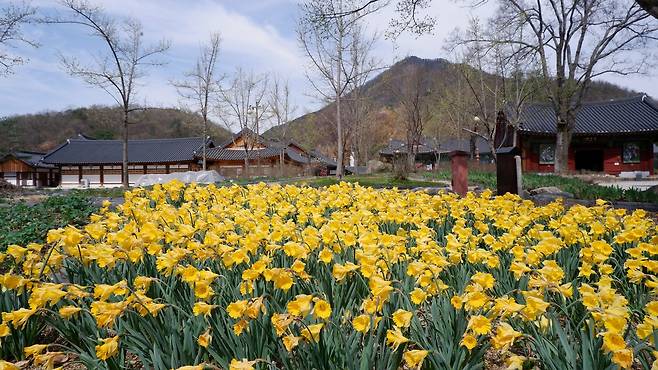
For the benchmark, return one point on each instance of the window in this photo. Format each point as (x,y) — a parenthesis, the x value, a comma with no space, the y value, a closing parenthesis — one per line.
(631,153)
(546,153)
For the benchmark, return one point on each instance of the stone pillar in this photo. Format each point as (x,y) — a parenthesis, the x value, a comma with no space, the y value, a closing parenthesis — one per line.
(459,167)
(508,170)
(519,175)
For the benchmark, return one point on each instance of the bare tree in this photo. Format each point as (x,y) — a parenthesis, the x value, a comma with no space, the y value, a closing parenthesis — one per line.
(201,84)
(575,42)
(408,19)
(282,109)
(118,68)
(414,95)
(650,6)
(12,17)
(244,102)
(327,43)
(495,76)
(358,105)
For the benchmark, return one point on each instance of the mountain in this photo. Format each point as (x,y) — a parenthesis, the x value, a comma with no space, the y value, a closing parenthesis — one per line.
(44,131)
(317,129)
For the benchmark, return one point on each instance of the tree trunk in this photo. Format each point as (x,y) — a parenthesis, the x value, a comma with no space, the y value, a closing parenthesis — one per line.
(124,166)
(339,132)
(203,142)
(411,160)
(246,164)
(562,143)
(492,147)
(651,6)
(339,123)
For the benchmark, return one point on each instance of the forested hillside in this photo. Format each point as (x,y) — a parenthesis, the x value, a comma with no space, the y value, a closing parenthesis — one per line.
(44,131)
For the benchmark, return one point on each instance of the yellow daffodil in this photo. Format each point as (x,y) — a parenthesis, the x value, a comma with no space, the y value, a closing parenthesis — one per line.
(402,318)
(241,365)
(205,338)
(415,358)
(108,348)
(479,324)
(395,338)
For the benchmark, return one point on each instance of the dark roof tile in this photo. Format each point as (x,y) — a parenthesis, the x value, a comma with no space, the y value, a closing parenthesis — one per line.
(87,151)
(31,158)
(621,116)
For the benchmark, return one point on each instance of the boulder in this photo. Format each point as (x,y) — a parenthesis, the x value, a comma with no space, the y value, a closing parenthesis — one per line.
(432,190)
(653,189)
(378,166)
(551,191)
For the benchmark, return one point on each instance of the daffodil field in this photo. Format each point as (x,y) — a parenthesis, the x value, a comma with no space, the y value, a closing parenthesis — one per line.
(341,277)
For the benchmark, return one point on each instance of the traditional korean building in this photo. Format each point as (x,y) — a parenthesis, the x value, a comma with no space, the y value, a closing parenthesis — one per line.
(26,169)
(99,162)
(613,137)
(264,157)
(429,151)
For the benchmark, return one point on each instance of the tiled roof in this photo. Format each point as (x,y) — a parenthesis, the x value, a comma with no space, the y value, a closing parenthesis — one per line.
(85,151)
(243,132)
(448,145)
(638,114)
(295,156)
(323,159)
(222,154)
(426,146)
(241,154)
(31,158)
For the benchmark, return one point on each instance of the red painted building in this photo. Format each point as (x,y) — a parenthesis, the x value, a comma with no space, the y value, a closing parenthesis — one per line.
(612,137)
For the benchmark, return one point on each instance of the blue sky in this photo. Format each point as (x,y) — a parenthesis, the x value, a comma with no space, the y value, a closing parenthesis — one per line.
(257,35)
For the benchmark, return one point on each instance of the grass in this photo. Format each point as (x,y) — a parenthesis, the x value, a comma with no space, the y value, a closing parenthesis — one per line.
(116,192)
(21,223)
(579,188)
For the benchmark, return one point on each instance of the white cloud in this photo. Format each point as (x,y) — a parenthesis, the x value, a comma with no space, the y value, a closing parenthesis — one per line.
(257,35)
(187,24)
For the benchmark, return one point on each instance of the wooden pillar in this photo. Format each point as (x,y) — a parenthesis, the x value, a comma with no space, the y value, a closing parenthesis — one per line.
(79,174)
(459,167)
(34,179)
(102,176)
(167,169)
(145,169)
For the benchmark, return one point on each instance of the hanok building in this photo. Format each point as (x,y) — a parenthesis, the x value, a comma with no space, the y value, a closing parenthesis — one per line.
(263,157)
(26,169)
(429,152)
(613,137)
(99,162)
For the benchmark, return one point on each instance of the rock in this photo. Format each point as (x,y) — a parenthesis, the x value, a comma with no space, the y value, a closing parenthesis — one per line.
(378,166)
(633,174)
(432,190)
(653,189)
(545,190)
(551,191)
